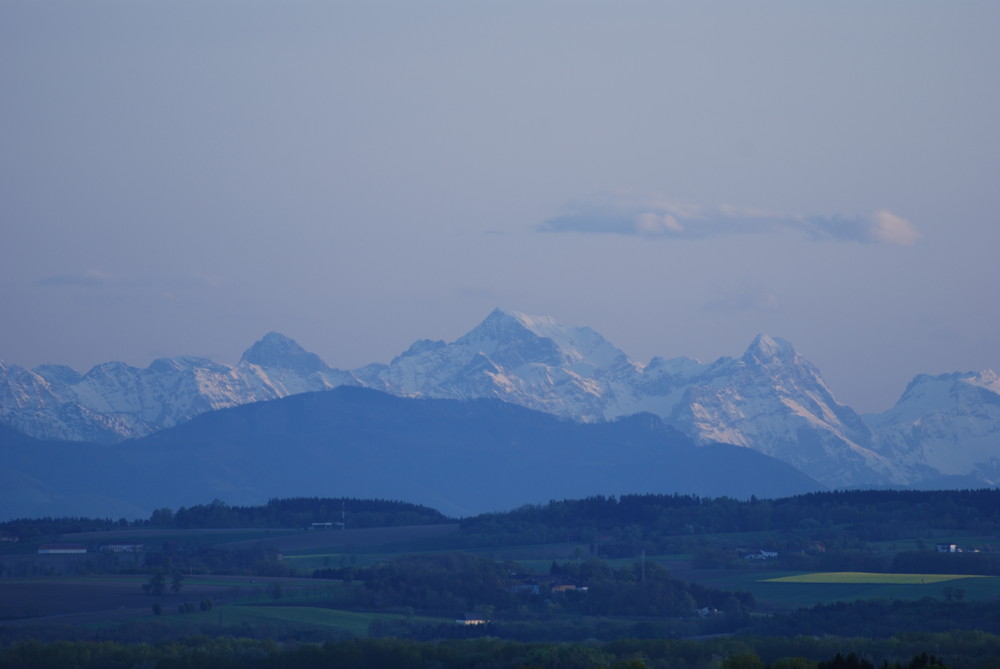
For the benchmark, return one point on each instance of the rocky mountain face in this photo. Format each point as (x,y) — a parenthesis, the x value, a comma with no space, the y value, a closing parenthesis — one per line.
(770,399)
(534,362)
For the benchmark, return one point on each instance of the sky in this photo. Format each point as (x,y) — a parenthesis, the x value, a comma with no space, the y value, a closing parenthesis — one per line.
(181,177)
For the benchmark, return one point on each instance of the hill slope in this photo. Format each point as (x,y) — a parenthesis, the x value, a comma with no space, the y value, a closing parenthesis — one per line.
(459,457)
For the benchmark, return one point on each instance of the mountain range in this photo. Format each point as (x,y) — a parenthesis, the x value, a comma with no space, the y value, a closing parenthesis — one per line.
(943,430)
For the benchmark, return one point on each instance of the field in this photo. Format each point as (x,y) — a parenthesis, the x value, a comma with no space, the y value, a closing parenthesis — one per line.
(853,577)
(277,618)
(782,591)
(57,595)
(61,596)
(101,598)
(368,538)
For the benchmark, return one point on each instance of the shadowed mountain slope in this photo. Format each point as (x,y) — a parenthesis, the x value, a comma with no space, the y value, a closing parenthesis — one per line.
(459,457)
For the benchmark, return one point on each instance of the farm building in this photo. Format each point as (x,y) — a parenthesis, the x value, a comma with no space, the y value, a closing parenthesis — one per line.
(760,555)
(473,619)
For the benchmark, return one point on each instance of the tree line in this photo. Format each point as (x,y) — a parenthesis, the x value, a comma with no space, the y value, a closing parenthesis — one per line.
(873,515)
(840,520)
(295,512)
(454,584)
(951,651)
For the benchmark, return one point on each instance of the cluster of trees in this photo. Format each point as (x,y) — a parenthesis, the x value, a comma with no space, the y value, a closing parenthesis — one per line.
(842,520)
(875,514)
(187,607)
(612,523)
(157,583)
(31,528)
(858,558)
(491,653)
(644,590)
(277,513)
(883,618)
(192,559)
(453,584)
(300,512)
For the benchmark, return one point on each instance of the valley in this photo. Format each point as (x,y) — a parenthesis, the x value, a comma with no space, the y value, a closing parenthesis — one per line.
(603,569)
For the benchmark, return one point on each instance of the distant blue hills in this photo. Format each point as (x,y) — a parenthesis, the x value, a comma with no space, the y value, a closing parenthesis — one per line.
(460,457)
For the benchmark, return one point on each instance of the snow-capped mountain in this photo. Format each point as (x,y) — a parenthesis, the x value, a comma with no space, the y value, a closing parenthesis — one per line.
(530,361)
(115,401)
(948,423)
(773,400)
(769,399)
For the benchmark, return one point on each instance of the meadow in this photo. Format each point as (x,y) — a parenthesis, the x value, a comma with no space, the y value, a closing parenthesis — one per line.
(781,591)
(855,577)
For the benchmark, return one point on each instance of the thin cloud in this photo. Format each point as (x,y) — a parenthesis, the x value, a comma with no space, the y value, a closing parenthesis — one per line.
(670,221)
(892,229)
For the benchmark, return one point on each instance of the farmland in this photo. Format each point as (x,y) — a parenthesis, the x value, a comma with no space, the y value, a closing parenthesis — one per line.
(531,577)
(854,577)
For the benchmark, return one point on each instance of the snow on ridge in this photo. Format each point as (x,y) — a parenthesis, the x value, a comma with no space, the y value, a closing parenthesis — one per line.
(770,398)
(948,422)
(579,344)
(987,379)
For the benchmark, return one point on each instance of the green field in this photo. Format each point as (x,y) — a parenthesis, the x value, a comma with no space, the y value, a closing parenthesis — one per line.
(852,577)
(350,622)
(311,561)
(783,590)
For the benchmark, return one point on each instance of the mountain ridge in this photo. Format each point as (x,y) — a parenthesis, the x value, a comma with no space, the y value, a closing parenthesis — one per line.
(770,398)
(473,456)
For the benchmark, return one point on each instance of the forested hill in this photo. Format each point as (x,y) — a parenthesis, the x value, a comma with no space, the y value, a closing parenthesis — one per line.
(459,457)
(304,511)
(871,514)
(295,512)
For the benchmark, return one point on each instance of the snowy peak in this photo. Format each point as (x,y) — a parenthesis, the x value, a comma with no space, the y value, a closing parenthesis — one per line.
(926,392)
(501,329)
(767,350)
(115,401)
(775,362)
(277,351)
(184,363)
(773,400)
(770,399)
(948,422)
(528,360)
(422,346)
(513,339)
(503,338)
(986,379)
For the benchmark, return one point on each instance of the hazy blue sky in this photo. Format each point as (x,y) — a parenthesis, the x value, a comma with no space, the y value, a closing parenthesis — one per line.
(182,176)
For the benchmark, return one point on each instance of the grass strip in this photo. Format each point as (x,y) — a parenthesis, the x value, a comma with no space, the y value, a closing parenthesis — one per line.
(855,577)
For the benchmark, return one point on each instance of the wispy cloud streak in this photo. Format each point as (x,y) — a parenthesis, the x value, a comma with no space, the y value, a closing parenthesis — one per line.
(671,221)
